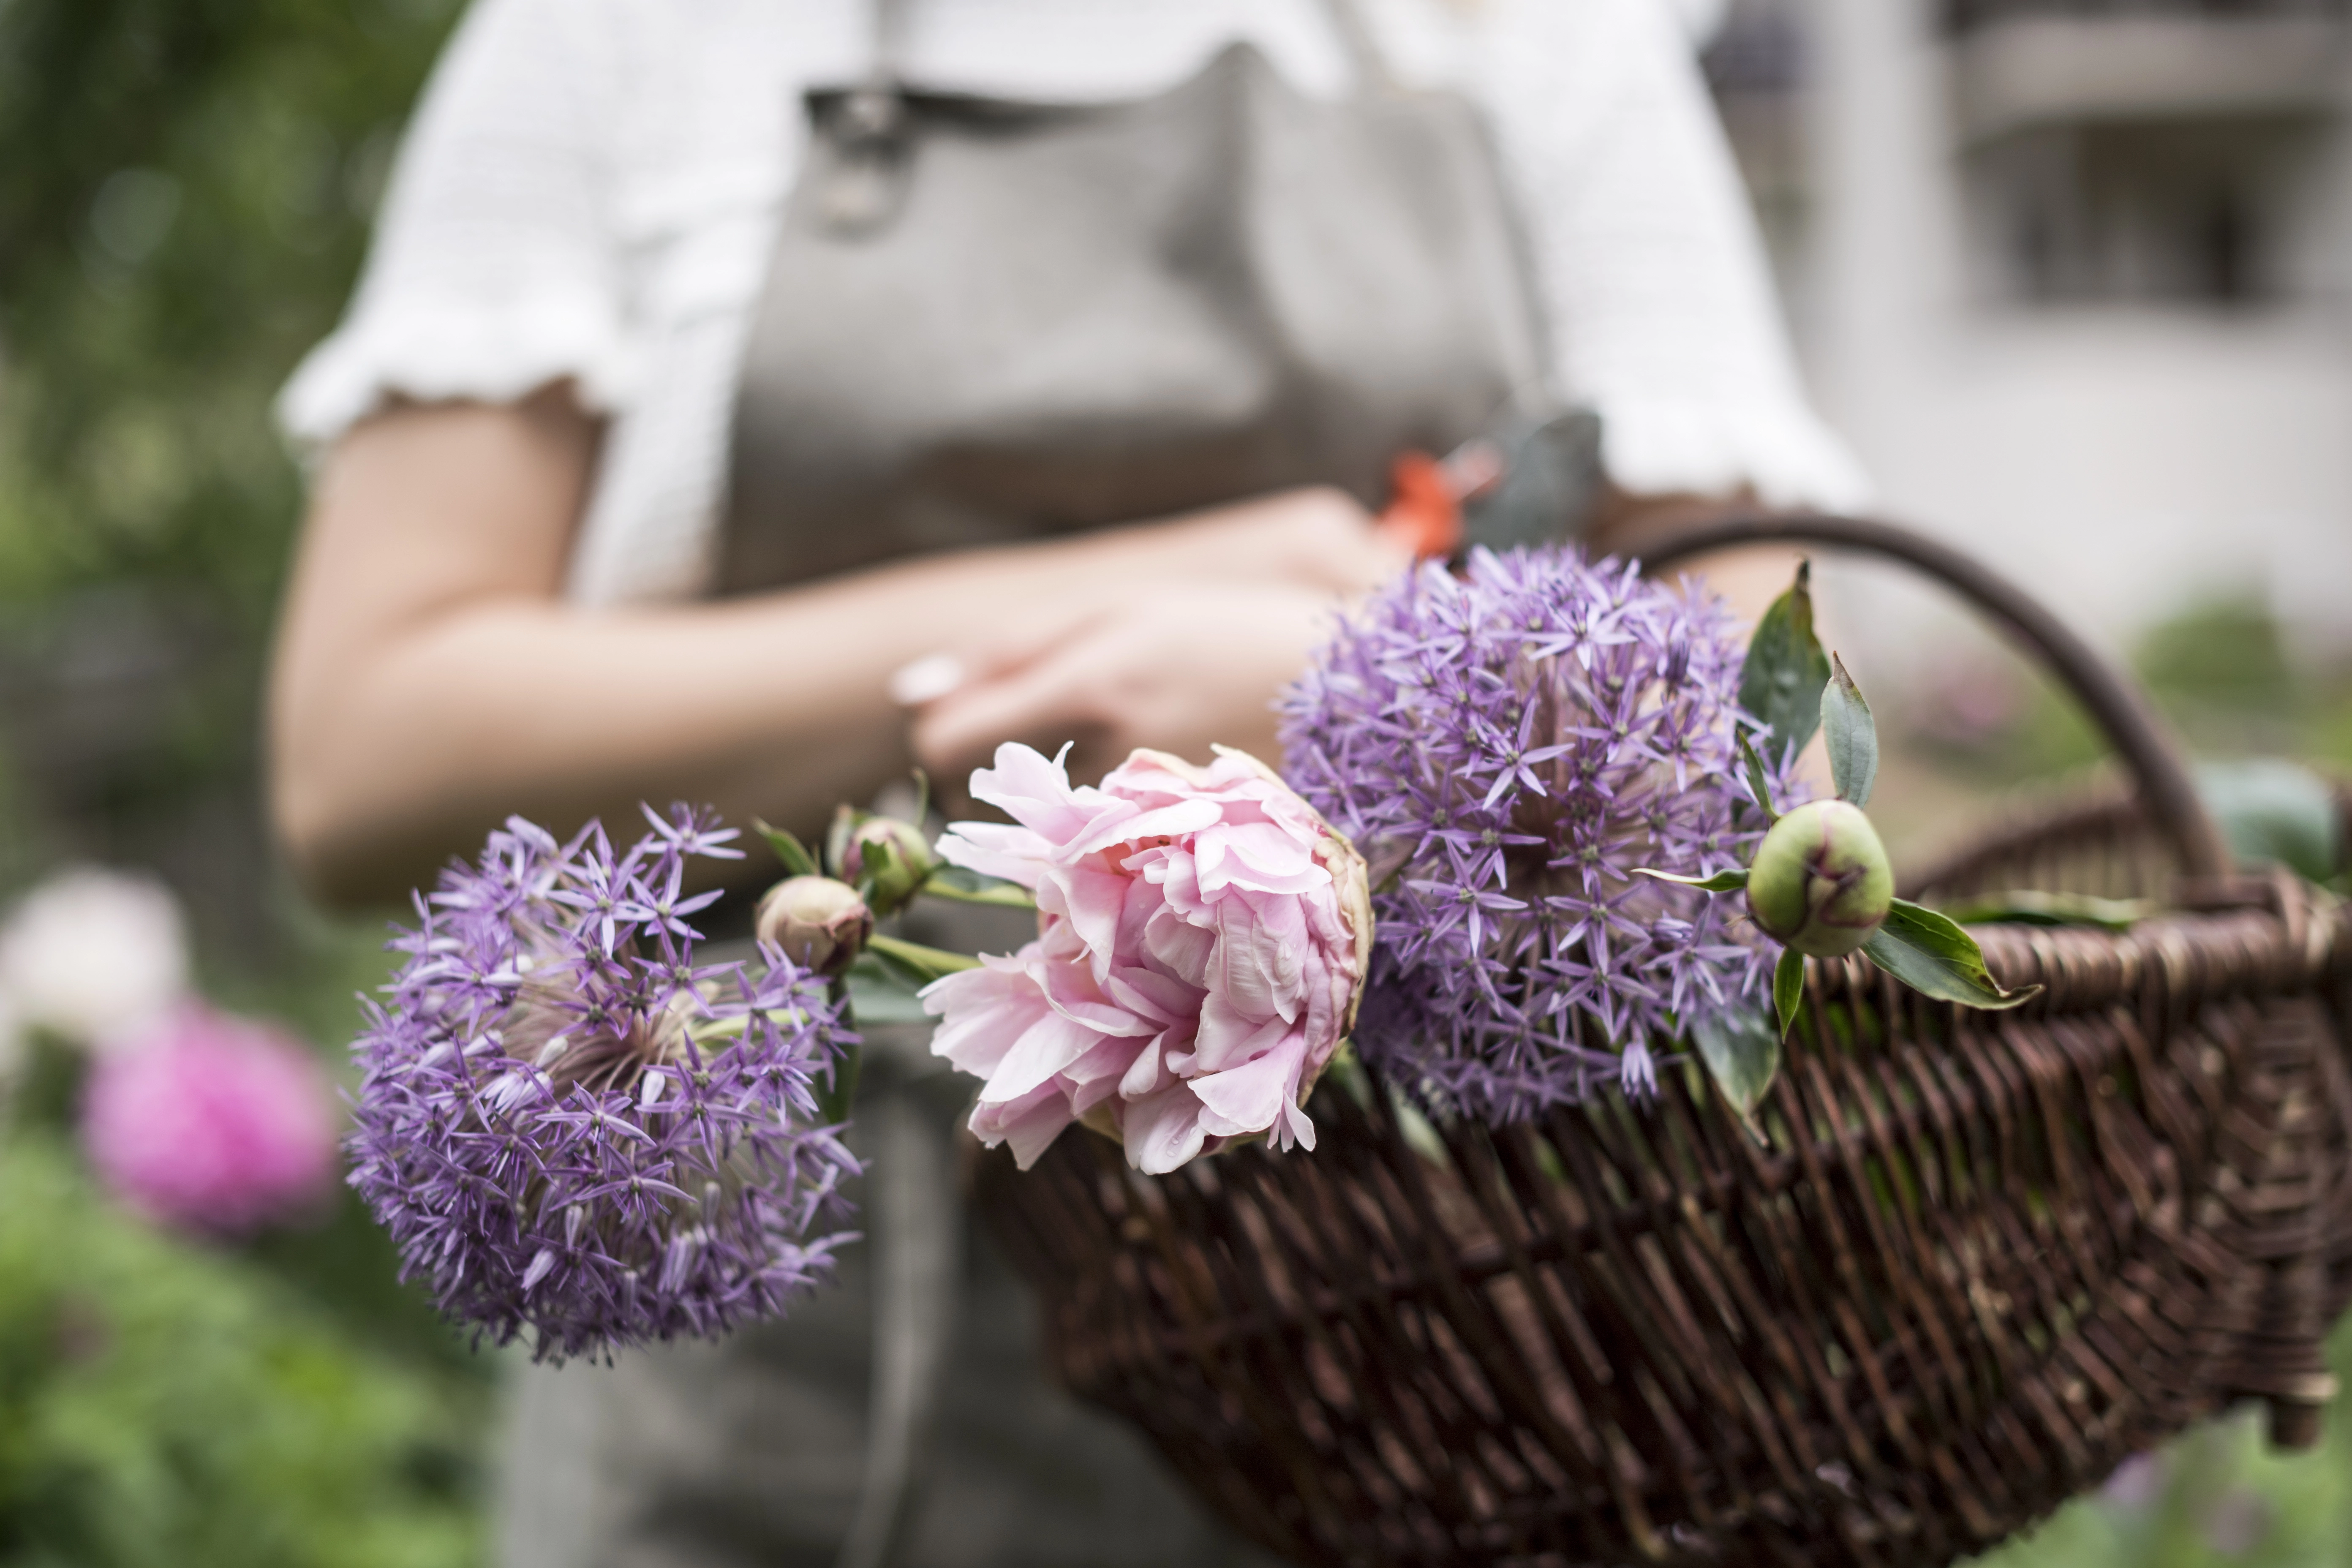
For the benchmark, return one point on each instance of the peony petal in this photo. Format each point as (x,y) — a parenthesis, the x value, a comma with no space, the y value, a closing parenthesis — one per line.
(1143,903)
(983,1012)
(1073,992)
(1179,947)
(1180,884)
(1035,790)
(1091,900)
(1295,1127)
(1107,1064)
(1257,855)
(1044,1049)
(1173,820)
(1147,994)
(1227,1039)
(1249,1099)
(1145,1075)
(1030,1124)
(1276,935)
(1163,1132)
(1245,970)
(997,849)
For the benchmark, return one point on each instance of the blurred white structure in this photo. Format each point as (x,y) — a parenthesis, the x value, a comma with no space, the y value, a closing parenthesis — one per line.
(2072,276)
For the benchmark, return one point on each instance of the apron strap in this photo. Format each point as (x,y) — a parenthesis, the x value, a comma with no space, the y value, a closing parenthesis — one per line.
(866,182)
(886,66)
(1364,53)
(916,1205)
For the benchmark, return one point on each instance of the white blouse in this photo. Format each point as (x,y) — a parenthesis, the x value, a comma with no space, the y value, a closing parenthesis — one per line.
(591,189)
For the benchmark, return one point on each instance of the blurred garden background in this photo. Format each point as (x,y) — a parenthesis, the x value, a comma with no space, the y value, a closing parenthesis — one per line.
(184,191)
(185,194)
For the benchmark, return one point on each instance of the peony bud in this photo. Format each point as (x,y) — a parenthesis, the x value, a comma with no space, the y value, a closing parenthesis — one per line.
(900,875)
(821,924)
(1821,882)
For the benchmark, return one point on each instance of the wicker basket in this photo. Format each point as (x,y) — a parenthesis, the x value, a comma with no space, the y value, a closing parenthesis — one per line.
(1984,1259)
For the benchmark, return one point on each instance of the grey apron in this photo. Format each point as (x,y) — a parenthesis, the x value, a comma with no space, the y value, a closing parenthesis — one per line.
(990,321)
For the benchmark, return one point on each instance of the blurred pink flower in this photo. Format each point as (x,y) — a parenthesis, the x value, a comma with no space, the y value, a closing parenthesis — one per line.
(1968,703)
(2136,1485)
(211,1123)
(2239,1520)
(1202,941)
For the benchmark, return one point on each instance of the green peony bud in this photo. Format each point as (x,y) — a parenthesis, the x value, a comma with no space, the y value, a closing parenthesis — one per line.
(897,875)
(821,924)
(1821,882)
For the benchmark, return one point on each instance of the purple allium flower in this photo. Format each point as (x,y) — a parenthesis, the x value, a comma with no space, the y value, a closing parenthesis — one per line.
(1506,747)
(567,1126)
(211,1124)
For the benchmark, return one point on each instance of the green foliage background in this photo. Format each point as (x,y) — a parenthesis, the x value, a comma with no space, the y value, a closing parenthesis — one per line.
(184,191)
(164,1405)
(185,188)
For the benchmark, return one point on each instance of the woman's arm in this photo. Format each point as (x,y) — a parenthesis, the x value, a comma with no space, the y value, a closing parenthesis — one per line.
(429,679)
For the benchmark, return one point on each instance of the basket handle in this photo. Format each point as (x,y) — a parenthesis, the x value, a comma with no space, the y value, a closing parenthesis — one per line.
(2144,741)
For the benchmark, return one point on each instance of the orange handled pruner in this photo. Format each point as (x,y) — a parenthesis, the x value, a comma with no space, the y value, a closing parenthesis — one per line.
(1426,494)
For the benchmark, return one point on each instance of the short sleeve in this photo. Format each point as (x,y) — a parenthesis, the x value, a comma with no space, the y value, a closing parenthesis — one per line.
(495,267)
(1647,256)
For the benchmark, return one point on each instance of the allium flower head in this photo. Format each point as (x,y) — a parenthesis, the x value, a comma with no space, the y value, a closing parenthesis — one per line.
(1506,747)
(567,1126)
(211,1124)
(1201,939)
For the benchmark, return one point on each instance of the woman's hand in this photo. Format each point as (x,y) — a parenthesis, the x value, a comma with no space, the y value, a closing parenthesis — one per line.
(1315,537)
(1177,667)
(1186,632)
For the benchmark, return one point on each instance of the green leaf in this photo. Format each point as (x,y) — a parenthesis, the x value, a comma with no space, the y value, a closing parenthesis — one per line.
(881,993)
(1782,682)
(1852,733)
(2275,812)
(880,864)
(2051,910)
(930,962)
(967,886)
(1934,957)
(1788,988)
(798,861)
(1420,1134)
(1742,1054)
(1729,881)
(1757,786)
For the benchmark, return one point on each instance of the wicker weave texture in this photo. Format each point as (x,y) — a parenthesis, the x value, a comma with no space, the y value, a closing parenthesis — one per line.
(1982,1259)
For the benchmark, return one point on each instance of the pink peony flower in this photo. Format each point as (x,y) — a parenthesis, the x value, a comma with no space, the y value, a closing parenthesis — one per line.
(210,1122)
(1202,940)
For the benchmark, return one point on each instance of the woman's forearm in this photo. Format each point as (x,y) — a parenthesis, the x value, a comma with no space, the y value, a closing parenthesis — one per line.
(776,707)
(430,680)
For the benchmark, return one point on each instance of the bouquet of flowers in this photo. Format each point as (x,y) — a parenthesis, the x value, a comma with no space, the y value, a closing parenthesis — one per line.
(1513,794)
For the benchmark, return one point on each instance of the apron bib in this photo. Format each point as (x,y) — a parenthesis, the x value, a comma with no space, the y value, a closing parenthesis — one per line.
(990,321)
